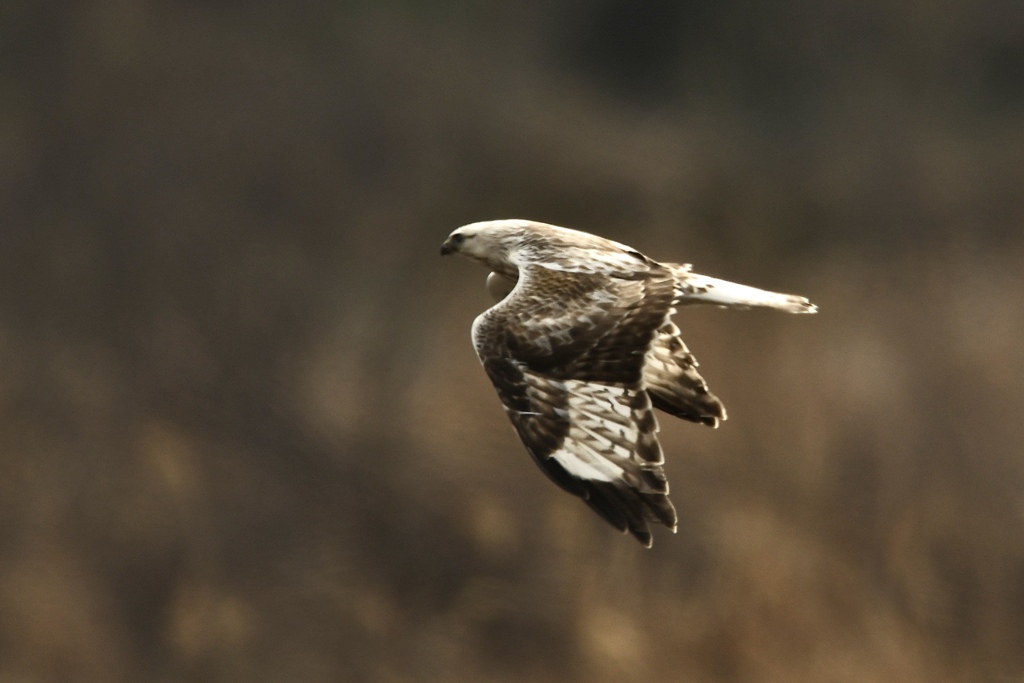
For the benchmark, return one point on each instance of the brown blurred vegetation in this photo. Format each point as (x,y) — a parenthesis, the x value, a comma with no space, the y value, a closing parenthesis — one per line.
(243,435)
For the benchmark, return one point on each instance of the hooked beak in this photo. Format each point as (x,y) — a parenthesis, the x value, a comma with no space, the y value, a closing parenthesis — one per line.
(447,248)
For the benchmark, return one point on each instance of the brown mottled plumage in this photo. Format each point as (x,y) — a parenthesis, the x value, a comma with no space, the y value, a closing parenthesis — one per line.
(581,347)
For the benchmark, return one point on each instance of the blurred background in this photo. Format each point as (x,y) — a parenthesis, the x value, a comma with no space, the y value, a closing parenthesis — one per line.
(244,435)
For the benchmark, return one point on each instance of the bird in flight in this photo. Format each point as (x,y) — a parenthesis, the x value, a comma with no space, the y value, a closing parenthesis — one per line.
(581,348)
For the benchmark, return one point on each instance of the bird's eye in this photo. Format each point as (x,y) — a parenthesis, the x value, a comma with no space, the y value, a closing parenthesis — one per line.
(458,238)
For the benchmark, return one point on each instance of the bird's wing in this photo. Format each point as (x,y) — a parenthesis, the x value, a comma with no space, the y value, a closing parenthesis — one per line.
(672,380)
(565,352)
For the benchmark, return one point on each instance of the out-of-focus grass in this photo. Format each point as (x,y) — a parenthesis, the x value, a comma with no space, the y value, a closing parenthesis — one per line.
(243,434)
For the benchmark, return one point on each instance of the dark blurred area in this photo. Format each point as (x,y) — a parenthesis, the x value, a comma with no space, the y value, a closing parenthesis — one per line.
(243,433)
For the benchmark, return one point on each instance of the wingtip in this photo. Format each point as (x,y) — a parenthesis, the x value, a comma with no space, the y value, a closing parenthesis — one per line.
(716,419)
(646,538)
(649,541)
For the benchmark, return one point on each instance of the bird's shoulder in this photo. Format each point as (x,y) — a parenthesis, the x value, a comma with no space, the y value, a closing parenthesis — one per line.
(565,250)
(574,323)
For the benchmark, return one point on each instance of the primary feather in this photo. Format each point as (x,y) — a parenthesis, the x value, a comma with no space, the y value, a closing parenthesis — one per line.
(581,347)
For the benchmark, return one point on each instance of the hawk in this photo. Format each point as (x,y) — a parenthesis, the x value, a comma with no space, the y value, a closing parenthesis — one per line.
(581,348)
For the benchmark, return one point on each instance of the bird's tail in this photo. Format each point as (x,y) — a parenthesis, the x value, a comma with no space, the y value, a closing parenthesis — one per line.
(692,288)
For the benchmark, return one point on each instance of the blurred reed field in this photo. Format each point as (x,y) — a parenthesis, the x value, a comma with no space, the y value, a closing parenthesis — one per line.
(244,436)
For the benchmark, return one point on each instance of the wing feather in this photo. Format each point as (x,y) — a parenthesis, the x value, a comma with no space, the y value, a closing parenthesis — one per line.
(675,386)
(566,353)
